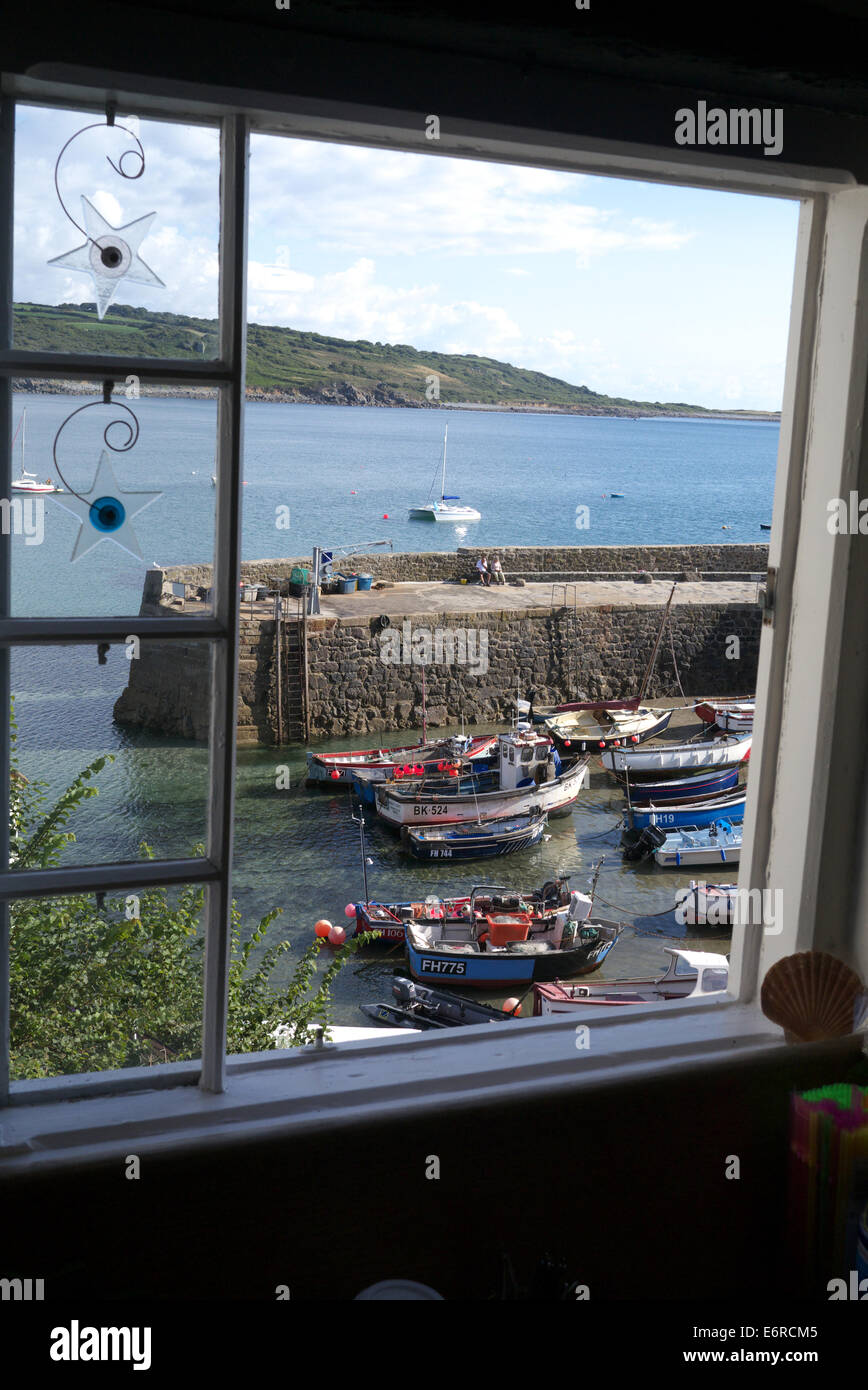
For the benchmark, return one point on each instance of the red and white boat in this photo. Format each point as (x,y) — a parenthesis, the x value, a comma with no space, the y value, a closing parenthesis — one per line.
(688,975)
(337,768)
(736,716)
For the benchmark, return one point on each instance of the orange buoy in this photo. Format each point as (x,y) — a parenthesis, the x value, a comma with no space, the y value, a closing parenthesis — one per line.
(337,936)
(385,516)
(323,927)
(510,1005)
(334,774)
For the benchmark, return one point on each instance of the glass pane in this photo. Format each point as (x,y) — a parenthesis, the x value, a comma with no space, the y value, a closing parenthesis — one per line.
(138,245)
(99,985)
(66,561)
(124,744)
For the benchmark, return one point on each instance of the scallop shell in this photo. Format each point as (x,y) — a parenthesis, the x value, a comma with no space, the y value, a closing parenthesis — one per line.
(813,996)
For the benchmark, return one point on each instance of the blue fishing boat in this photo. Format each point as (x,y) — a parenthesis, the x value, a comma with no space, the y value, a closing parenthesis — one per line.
(475,840)
(508,948)
(697,813)
(699,787)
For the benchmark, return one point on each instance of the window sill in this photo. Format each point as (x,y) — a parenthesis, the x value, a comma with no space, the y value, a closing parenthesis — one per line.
(51,1125)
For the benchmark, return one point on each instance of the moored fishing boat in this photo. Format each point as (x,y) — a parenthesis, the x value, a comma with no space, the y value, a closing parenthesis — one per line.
(719,843)
(688,974)
(587,731)
(475,839)
(675,759)
(322,767)
(529,776)
(696,813)
(506,947)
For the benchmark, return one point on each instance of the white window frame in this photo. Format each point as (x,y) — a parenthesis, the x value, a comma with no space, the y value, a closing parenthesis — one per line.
(813,619)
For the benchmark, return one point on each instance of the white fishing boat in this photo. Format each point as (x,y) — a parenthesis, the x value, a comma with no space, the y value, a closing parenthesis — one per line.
(28,482)
(444,510)
(526,779)
(673,758)
(688,974)
(719,844)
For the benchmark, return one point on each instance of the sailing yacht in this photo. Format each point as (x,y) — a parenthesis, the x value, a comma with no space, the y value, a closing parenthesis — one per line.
(444,510)
(27,481)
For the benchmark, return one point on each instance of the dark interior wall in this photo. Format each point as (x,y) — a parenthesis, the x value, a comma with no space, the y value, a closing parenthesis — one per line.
(627,1186)
(614,71)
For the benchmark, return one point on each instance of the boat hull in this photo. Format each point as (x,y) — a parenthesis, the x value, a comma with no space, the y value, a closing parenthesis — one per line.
(506,969)
(676,759)
(692,813)
(696,788)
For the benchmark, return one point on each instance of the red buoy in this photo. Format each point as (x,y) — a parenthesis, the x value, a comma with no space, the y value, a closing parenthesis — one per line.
(323,927)
(511,1006)
(337,936)
(334,774)
(350,910)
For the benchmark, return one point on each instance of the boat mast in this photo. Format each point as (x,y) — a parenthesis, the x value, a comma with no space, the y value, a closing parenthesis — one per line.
(443,478)
(424,710)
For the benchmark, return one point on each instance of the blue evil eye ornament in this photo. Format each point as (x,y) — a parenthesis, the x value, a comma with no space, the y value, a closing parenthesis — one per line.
(107,514)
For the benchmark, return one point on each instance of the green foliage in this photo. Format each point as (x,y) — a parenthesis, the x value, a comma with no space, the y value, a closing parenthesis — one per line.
(93,988)
(284,359)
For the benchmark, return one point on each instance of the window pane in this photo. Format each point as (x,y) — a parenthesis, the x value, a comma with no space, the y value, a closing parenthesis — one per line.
(64,563)
(155,278)
(124,743)
(95,987)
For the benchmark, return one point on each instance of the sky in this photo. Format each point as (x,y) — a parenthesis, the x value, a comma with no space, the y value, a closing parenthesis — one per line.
(642,290)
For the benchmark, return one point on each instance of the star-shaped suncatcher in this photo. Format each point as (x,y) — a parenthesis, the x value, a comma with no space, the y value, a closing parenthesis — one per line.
(111,254)
(105,512)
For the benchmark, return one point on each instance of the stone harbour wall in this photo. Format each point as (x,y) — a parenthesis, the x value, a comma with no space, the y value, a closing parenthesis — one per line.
(599,654)
(540,562)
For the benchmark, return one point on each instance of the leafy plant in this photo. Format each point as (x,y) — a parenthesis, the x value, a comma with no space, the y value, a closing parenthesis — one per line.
(108,983)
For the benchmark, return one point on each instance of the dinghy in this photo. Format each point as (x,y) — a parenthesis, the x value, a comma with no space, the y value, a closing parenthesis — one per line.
(688,975)
(529,776)
(475,839)
(674,759)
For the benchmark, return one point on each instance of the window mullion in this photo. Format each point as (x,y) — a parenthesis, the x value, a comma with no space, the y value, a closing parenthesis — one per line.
(227,567)
(7,178)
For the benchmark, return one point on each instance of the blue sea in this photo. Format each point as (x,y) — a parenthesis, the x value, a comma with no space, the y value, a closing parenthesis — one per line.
(348,476)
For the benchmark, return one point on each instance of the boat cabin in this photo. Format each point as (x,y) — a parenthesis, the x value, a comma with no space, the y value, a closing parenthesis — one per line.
(526,759)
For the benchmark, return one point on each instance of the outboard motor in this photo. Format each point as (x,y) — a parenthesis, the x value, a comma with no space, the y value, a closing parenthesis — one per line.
(640,844)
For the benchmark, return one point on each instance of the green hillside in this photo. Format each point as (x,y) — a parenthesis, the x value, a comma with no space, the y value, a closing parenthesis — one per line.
(292,365)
